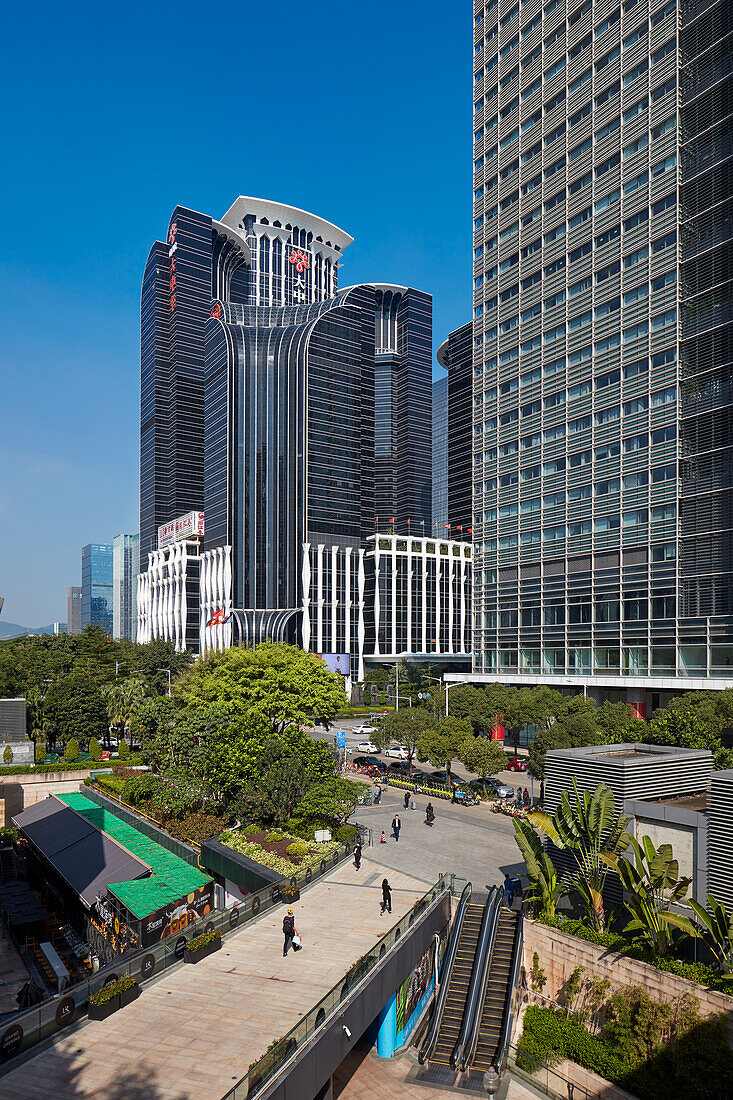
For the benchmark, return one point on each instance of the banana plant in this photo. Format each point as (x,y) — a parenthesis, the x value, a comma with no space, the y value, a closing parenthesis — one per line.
(546,886)
(596,835)
(717,925)
(651,878)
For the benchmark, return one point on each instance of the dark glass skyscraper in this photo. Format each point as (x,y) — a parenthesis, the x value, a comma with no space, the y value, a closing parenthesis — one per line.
(258,407)
(96,586)
(440,454)
(455,355)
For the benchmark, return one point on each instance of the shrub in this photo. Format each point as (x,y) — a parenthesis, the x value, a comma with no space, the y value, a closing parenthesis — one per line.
(71,752)
(7,755)
(298,849)
(250,830)
(346,833)
(302,827)
(95,749)
(123,749)
(112,783)
(39,753)
(108,992)
(274,836)
(204,939)
(549,1036)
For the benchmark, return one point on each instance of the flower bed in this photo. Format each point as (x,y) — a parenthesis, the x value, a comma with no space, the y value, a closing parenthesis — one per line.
(274,853)
(201,946)
(112,996)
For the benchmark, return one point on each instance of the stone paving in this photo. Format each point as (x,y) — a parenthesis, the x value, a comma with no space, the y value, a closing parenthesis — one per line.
(194,1033)
(472,842)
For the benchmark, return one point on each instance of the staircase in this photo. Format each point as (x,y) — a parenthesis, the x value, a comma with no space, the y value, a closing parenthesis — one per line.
(455,1004)
(498,992)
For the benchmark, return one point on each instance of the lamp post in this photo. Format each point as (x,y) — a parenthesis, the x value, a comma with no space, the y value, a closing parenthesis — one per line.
(491,1081)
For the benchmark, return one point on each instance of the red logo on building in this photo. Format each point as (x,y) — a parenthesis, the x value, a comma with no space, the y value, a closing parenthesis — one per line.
(172,233)
(216,311)
(301,261)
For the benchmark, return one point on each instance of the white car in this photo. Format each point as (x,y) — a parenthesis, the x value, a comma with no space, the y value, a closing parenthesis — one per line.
(367,746)
(398,752)
(364,729)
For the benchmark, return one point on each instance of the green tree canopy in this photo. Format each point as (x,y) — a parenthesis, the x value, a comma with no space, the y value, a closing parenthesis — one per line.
(74,707)
(440,744)
(482,755)
(270,687)
(407,726)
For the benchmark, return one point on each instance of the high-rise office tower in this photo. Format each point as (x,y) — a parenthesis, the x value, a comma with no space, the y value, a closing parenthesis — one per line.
(440,454)
(73,610)
(402,408)
(602,326)
(258,410)
(455,355)
(125,569)
(96,586)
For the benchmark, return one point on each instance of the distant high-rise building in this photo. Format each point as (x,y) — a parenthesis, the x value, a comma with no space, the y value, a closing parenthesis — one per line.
(456,355)
(96,586)
(440,454)
(603,345)
(73,610)
(125,569)
(402,408)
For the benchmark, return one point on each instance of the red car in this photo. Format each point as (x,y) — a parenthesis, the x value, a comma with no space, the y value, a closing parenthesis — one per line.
(517,764)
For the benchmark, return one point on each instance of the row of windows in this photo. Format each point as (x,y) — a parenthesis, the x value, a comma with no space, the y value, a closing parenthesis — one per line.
(587,491)
(662,12)
(609,378)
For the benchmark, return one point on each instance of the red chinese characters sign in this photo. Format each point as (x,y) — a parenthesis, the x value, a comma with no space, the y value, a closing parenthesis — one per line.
(172,253)
(301,264)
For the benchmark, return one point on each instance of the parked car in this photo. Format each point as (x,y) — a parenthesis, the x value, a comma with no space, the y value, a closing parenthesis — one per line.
(369,762)
(367,746)
(397,752)
(493,786)
(364,728)
(399,768)
(517,764)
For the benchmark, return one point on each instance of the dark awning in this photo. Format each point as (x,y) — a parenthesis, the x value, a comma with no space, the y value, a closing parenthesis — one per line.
(84,857)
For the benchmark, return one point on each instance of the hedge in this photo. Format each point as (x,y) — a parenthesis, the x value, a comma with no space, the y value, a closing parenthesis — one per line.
(65,766)
(549,1036)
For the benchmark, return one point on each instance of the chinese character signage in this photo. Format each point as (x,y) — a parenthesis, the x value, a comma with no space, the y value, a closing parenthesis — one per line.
(190,526)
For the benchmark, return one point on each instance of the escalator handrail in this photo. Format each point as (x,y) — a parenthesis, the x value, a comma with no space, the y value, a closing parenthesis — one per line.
(506,1032)
(450,957)
(479,976)
(472,1036)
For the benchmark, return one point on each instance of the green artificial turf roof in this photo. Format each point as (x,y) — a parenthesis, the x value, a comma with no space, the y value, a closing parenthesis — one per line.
(172,877)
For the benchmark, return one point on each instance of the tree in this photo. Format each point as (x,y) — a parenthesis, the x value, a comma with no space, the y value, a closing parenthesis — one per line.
(406,726)
(481,706)
(7,755)
(482,756)
(72,751)
(595,835)
(123,697)
(440,744)
(683,728)
(575,729)
(717,931)
(75,707)
(618,724)
(270,687)
(329,803)
(95,749)
(541,871)
(651,878)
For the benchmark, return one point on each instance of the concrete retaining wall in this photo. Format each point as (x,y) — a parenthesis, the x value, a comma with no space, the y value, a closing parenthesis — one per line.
(560,954)
(18,792)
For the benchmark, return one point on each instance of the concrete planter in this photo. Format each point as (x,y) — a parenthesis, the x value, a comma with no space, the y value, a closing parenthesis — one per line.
(103,1012)
(127,996)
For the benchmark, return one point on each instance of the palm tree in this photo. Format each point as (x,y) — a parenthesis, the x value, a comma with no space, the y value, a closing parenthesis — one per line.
(595,835)
(541,871)
(122,697)
(653,884)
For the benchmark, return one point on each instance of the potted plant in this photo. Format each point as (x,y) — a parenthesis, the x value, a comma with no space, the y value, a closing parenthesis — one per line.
(201,946)
(112,996)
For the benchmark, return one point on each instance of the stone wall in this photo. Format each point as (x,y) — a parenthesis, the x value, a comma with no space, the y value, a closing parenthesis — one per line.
(18,792)
(560,954)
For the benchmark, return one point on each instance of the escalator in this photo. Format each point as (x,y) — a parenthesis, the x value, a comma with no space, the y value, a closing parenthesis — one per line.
(497,1000)
(458,985)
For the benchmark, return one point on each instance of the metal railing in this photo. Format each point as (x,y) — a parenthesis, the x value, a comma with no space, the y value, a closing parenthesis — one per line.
(276,1058)
(26,1029)
(543,1078)
(450,957)
(512,1008)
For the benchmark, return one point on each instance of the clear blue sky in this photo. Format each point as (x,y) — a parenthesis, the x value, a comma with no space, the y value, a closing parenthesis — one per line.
(114,114)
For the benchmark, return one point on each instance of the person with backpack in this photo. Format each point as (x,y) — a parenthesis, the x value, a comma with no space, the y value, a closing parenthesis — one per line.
(386,897)
(288,932)
(377,794)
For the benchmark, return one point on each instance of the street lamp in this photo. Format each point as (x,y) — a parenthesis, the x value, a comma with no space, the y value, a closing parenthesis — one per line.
(491,1080)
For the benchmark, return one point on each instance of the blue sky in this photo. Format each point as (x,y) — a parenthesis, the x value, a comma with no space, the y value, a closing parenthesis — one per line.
(114,114)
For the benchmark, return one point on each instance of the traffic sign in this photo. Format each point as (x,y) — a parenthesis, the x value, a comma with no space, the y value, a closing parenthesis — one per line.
(341,740)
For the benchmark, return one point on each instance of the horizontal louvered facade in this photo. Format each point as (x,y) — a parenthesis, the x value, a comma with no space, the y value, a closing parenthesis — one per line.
(720,838)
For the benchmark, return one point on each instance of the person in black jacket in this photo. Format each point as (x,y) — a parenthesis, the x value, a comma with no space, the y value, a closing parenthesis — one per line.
(407,800)
(288,931)
(396,826)
(386,897)
(357,853)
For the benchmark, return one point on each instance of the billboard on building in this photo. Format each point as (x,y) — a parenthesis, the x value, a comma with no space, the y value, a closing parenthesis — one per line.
(337,662)
(190,526)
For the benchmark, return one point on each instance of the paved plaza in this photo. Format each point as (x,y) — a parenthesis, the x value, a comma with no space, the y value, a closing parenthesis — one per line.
(194,1033)
(472,842)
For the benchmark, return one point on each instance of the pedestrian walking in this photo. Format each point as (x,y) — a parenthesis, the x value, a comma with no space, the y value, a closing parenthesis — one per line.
(396,826)
(377,794)
(288,931)
(386,897)
(509,891)
(429,814)
(527,799)
(357,854)
(407,800)
(542,791)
